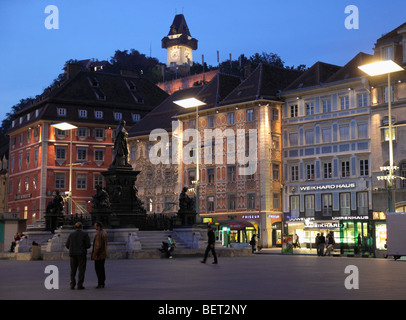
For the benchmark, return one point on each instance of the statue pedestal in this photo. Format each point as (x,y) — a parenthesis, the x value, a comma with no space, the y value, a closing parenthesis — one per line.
(126,208)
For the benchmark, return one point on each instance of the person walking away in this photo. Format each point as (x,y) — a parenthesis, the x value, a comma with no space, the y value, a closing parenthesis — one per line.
(253,243)
(317,244)
(210,245)
(171,247)
(322,244)
(330,243)
(99,254)
(78,242)
(297,244)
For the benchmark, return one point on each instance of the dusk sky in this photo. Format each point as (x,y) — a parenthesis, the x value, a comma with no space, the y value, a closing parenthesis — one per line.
(299,31)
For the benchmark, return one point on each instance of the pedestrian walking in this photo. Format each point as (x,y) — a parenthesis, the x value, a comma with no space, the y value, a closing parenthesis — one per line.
(253,243)
(99,254)
(171,247)
(210,245)
(322,244)
(317,244)
(78,242)
(330,243)
(297,243)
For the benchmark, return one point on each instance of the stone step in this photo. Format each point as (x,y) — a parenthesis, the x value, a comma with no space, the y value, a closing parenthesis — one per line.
(152,240)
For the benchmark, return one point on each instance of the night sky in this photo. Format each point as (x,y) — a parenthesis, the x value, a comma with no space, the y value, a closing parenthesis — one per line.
(299,31)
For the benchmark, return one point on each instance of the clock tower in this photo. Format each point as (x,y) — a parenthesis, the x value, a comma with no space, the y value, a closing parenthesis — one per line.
(179,44)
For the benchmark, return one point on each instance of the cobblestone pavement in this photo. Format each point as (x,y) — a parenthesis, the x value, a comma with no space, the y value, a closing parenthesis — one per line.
(260,277)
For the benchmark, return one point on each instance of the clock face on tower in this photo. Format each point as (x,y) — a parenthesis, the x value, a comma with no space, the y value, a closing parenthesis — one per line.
(175,54)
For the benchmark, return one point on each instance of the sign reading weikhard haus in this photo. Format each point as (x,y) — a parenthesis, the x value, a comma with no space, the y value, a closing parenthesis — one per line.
(332,186)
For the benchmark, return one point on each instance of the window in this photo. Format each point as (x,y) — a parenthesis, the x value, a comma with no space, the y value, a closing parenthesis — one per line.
(385,94)
(385,130)
(98,181)
(294,206)
(232,201)
(326,106)
(192,176)
(362,130)
(231,173)
(230,118)
(133,153)
(326,135)
(59,181)
(327,204)
(210,204)
(293,139)
(309,205)
(309,136)
(345,169)
(294,111)
(294,173)
(345,204)
(210,120)
(362,203)
(387,53)
(327,172)
(276,201)
(35,182)
(403,175)
(99,155)
(363,168)
(60,153)
(310,172)
(362,99)
(99,133)
(344,133)
(82,133)
(61,112)
(118,116)
(275,114)
(82,154)
(168,204)
(149,205)
(309,108)
(98,114)
(136,117)
(210,175)
(81,181)
(251,201)
(82,113)
(27,158)
(192,124)
(250,114)
(275,171)
(26,183)
(344,102)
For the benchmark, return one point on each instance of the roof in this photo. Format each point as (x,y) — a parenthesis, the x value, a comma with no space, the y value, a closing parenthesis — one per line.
(162,116)
(317,74)
(93,91)
(179,27)
(265,82)
(215,91)
(351,70)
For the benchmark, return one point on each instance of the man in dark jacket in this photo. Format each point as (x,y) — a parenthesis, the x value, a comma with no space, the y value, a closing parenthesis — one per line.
(210,245)
(78,242)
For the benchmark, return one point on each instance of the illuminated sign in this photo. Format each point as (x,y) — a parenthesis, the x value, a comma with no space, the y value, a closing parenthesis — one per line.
(333,186)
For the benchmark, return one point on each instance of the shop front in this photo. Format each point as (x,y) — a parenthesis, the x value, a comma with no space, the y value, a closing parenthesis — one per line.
(352,235)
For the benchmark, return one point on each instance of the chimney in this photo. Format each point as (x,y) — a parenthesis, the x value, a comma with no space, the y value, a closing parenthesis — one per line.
(72,69)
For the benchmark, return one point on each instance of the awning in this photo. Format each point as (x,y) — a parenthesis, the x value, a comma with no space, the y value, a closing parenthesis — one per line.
(236,224)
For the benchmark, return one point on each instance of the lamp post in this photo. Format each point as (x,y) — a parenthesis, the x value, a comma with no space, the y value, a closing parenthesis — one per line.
(191,103)
(376,69)
(67,126)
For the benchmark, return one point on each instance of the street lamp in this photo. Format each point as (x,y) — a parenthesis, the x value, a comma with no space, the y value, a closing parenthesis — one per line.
(376,69)
(67,126)
(191,103)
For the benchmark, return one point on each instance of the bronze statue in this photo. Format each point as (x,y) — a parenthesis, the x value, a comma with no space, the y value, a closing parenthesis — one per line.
(101,198)
(185,202)
(56,205)
(120,146)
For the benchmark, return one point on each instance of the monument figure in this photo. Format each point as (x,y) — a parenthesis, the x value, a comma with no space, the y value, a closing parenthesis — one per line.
(186,212)
(120,146)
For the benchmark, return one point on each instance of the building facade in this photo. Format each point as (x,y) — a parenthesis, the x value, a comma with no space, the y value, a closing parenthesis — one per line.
(327,147)
(40,154)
